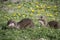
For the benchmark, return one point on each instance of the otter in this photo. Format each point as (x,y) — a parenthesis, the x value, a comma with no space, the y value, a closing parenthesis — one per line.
(11,23)
(26,22)
(42,21)
(45,23)
(54,24)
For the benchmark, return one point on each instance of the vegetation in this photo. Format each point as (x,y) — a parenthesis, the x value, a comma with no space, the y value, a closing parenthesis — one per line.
(18,11)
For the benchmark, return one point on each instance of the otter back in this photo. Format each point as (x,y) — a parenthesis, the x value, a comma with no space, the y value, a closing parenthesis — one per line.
(25,22)
(53,24)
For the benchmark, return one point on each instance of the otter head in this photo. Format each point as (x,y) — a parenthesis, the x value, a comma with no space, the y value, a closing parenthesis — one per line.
(11,23)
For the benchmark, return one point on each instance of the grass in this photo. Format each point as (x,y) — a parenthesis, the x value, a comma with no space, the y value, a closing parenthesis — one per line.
(30,34)
(29,10)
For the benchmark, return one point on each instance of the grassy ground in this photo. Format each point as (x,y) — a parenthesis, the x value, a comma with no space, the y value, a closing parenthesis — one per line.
(29,10)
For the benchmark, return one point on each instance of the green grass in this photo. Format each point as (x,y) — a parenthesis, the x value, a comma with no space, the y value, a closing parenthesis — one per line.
(29,10)
(30,34)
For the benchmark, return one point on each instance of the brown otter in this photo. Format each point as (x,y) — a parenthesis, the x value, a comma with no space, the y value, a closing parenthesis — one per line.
(11,23)
(53,24)
(42,21)
(26,22)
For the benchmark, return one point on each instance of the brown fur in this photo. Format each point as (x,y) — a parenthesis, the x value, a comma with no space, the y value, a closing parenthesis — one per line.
(26,22)
(53,24)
